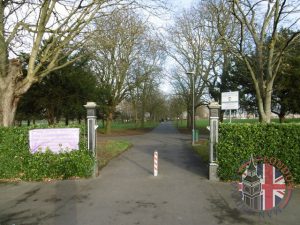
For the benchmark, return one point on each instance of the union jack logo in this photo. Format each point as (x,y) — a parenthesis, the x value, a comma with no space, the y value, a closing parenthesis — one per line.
(272,185)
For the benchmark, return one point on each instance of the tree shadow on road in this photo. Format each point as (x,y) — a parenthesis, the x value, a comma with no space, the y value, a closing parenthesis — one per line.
(222,211)
(47,203)
(138,165)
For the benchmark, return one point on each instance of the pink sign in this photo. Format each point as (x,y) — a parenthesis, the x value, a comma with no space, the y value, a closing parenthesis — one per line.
(56,140)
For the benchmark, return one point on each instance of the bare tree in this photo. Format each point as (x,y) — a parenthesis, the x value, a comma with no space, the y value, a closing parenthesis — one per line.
(145,75)
(177,105)
(259,23)
(193,45)
(115,49)
(157,105)
(49,31)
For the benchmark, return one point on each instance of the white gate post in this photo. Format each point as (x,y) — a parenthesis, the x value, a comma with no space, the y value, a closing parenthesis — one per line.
(214,111)
(91,132)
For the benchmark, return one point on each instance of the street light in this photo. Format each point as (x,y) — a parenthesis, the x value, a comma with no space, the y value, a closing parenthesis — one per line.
(193,111)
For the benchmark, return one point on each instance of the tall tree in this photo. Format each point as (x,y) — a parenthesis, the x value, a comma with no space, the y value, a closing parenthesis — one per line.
(114,48)
(193,45)
(61,94)
(177,106)
(47,29)
(259,23)
(145,75)
(238,79)
(286,85)
(285,98)
(220,19)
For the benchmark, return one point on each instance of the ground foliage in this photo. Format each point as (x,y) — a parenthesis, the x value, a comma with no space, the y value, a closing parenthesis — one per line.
(17,163)
(238,141)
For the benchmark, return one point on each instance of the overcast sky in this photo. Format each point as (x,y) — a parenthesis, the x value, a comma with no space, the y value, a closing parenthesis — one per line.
(181,3)
(163,21)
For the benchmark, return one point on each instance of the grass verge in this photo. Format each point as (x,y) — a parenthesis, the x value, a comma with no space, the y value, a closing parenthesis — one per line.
(202,150)
(203,123)
(130,128)
(107,150)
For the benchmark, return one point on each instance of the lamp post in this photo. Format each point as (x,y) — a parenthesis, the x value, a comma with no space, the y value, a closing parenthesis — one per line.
(192,73)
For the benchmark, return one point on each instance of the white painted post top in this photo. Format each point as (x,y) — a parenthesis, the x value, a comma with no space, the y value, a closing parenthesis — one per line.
(214,105)
(90,105)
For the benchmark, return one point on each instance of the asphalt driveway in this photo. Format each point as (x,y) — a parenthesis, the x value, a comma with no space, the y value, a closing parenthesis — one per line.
(126,193)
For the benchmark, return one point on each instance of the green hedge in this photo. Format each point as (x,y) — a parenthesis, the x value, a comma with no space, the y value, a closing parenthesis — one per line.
(238,141)
(16,162)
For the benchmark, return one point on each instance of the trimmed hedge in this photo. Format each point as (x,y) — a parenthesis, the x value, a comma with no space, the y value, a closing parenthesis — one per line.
(16,162)
(238,141)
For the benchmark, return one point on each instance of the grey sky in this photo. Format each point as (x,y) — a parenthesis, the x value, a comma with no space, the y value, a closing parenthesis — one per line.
(181,3)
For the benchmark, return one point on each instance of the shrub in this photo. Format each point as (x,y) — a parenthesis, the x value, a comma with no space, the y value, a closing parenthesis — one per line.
(238,141)
(16,162)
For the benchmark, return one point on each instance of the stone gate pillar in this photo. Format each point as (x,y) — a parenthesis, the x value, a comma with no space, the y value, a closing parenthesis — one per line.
(91,131)
(214,112)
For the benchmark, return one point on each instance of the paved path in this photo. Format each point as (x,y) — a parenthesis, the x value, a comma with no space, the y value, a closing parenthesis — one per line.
(126,193)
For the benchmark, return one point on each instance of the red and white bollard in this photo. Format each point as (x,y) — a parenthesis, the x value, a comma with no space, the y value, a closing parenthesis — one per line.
(155,167)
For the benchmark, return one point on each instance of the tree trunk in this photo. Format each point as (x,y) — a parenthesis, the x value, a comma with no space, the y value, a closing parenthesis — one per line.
(135,116)
(189,120)
(8,106)
(281,117)
(143,115)
(103,122)
(67,120)
(50,116)
(264,104)
(108,124)
(57,119)
(268,102)
(221,116)
(282,114)
(12,86)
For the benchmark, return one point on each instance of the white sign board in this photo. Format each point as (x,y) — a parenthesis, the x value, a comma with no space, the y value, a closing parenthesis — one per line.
(230,100)
(56,140)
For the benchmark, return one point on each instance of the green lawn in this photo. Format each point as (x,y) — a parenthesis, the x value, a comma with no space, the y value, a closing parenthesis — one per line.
(203,123)
(107,150)
(202,149)
(118,125)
